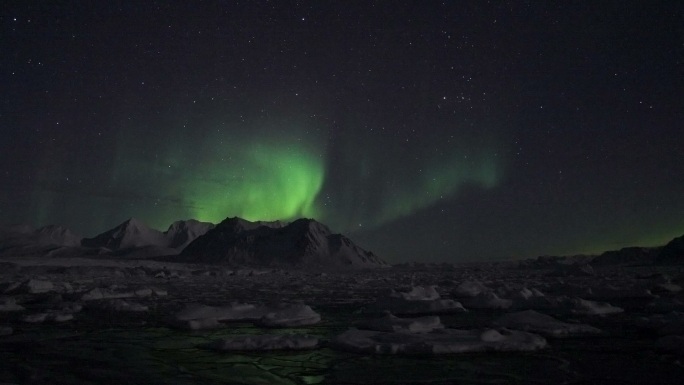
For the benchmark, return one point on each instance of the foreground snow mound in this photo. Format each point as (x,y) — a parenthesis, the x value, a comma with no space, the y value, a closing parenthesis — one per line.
(665,305)
(487,300)
(673,344)
(9,304)
(527,294)
(470,289)
(52,316)
(611,291)
(586,307)
(196,316)
(265,342)
(391,323)
(419,300)
(438,306)
(418,293)
(525,299)
(99,293)
(438,342)
(663,324)
(31,286)
(532,321)
(289,315)
(119,305)
(666,288)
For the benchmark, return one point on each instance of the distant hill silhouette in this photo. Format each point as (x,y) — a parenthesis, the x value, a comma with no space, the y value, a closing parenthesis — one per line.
(627,256)
(672,253)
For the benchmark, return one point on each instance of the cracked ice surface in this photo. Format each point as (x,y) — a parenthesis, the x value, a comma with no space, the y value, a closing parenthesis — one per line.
(86,328)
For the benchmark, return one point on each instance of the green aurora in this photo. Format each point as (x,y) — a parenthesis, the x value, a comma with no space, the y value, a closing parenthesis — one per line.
(266,173)
(251,174)
(440,181)
(261,181)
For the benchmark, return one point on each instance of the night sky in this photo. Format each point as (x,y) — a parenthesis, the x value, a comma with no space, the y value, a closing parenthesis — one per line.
(424,130)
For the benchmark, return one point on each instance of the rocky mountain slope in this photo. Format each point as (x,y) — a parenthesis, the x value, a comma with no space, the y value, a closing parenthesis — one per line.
(302,243)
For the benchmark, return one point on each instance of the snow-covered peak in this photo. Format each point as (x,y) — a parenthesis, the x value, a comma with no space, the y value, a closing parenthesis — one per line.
(129,234)
(181,233)
(21,235)
(56,235)
(239,224)
(311,226)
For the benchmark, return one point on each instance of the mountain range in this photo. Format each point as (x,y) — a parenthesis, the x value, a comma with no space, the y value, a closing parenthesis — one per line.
(304,243)
(235,241)
(133,233)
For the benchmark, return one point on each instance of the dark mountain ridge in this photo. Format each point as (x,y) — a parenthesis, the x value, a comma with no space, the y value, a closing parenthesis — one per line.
(302,243)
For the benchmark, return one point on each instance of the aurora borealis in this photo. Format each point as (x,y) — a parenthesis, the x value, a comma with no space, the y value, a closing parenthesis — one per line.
(425,131)
(254,177)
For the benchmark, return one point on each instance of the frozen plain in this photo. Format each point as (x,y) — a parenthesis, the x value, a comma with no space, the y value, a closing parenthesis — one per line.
(81,321)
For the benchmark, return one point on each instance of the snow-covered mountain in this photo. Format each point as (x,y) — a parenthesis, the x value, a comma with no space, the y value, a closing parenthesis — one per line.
(56,235)
(133,233)
(239,225)
(51,235)
(302,243)
(181,233)
(130,234)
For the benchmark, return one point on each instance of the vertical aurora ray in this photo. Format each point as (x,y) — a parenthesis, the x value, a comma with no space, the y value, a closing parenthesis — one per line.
(390,180)
(282,168)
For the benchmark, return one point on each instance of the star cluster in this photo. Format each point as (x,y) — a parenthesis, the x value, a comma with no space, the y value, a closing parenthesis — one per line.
(435,131)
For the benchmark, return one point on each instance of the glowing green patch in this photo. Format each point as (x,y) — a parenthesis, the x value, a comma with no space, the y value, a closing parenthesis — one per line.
(439,182)
(401,192)
(260,181)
